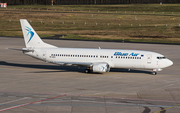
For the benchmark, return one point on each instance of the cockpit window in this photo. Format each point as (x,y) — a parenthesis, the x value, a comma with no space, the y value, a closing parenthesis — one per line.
(161,57)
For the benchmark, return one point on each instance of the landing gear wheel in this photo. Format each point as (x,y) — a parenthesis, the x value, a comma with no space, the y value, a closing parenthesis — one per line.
(154,73)
(87,70)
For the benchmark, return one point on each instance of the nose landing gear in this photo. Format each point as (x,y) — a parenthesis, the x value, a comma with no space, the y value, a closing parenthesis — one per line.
(154,73)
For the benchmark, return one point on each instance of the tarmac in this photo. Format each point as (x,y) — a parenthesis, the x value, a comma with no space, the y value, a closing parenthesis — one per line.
(28,85)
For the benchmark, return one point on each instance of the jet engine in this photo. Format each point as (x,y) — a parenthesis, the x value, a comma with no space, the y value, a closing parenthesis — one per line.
(101,68)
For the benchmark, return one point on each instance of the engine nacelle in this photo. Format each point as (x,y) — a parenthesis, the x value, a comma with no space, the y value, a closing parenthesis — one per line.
(101,68)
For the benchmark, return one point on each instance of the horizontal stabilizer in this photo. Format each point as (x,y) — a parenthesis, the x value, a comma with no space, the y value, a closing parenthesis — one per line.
(23,49)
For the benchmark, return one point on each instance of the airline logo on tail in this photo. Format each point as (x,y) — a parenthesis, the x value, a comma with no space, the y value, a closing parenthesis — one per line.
(29,32)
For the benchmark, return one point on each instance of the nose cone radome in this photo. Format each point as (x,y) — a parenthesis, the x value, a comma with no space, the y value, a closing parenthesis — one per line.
(169,63)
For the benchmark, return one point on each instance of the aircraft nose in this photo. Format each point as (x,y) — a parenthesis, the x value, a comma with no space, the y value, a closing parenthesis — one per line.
(169,62)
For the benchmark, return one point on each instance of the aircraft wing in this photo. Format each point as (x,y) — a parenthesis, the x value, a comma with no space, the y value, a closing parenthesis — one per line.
(81,64)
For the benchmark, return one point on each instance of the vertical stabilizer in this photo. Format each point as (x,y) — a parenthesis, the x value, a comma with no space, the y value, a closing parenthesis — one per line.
(31,38)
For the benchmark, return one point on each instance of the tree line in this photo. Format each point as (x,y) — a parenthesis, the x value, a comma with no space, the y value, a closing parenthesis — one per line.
(76,2)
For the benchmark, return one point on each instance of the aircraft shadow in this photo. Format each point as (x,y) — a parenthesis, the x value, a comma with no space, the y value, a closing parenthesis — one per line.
(58,68)
(131,71)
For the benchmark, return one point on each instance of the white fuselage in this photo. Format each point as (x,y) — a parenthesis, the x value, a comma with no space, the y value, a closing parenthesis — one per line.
(96,60)
(115,58)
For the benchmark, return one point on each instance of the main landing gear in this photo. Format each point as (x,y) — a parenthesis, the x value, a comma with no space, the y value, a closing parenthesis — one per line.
(87,70)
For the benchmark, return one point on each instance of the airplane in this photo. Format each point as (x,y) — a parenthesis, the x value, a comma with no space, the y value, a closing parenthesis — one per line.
(95,60)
